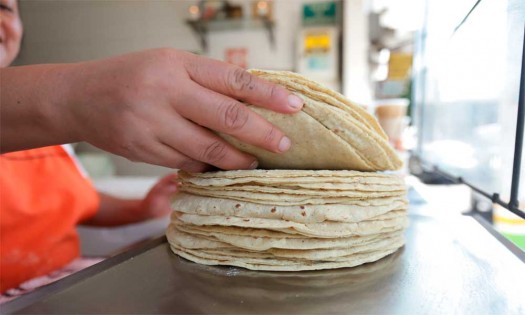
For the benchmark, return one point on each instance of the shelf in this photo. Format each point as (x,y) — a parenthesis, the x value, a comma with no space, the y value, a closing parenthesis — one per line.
(203,27)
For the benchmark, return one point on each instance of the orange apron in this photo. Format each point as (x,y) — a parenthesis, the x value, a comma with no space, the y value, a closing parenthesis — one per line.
(43,196)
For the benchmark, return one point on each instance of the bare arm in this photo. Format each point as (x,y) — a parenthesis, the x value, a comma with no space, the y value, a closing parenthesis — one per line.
(156,106)
(115,211)
(32,107)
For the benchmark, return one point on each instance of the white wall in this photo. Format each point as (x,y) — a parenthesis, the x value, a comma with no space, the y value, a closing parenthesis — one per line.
(69,31)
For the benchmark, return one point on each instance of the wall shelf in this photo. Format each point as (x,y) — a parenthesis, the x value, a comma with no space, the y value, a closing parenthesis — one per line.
(203,27)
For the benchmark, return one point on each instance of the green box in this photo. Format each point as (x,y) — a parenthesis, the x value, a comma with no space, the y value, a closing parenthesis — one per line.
(321,13)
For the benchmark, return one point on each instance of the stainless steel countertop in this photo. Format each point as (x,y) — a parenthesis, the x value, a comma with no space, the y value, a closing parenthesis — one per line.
(447,266)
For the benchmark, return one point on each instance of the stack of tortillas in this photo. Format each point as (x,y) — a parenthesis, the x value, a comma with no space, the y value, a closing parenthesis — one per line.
(320,205)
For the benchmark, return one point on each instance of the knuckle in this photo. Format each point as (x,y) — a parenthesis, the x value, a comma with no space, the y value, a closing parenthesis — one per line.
(128,151)
(123,146)
(270,135)
(240,80)
(132,150)
(132,145)
(272,91)
(233,115)
(214,153)
(163,54)
(142,145)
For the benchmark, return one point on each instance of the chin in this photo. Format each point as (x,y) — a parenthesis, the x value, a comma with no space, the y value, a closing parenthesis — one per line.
(5,59)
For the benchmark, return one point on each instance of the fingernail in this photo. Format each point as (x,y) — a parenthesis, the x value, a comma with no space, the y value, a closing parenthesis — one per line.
(285,144)
(254,165)
(295,101)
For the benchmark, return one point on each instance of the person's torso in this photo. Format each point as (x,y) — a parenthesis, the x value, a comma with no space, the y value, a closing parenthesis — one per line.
(43,196)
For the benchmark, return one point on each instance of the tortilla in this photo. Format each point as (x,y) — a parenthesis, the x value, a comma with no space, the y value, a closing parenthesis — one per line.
(280,265)
(178,233)
(262,175)
(297,82)
(328,133)
(290,199)
(356,211)
(188,241)
(322,230)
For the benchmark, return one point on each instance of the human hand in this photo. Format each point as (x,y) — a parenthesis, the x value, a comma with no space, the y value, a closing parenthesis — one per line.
(159,107)
(114,211)
(157,202)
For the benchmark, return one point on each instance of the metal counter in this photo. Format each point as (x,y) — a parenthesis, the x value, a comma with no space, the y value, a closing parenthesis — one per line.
(447,266)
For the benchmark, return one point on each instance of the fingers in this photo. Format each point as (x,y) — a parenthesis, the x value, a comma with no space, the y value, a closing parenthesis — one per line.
(236,82)
(168,179)
(202,145)
(166,185)
(167,182)
(164,155)
(226,115)
(163,188)
(158,200)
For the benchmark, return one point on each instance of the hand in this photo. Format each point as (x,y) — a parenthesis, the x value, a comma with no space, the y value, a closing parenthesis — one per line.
(159,106)
(157,202)
(114,211)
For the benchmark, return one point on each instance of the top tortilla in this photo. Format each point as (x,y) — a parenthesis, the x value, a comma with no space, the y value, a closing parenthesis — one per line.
(329,132)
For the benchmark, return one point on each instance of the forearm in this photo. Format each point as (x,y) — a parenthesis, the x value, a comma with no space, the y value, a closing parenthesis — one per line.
(158,106)
(34,107)
(115,211)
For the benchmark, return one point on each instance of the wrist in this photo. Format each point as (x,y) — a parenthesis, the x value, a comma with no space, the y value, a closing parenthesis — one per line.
(34,107)
(115,211)
(59,91)
(69,80)
(123,211)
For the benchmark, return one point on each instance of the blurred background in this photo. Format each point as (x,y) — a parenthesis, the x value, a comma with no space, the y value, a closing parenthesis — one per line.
(441,76)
